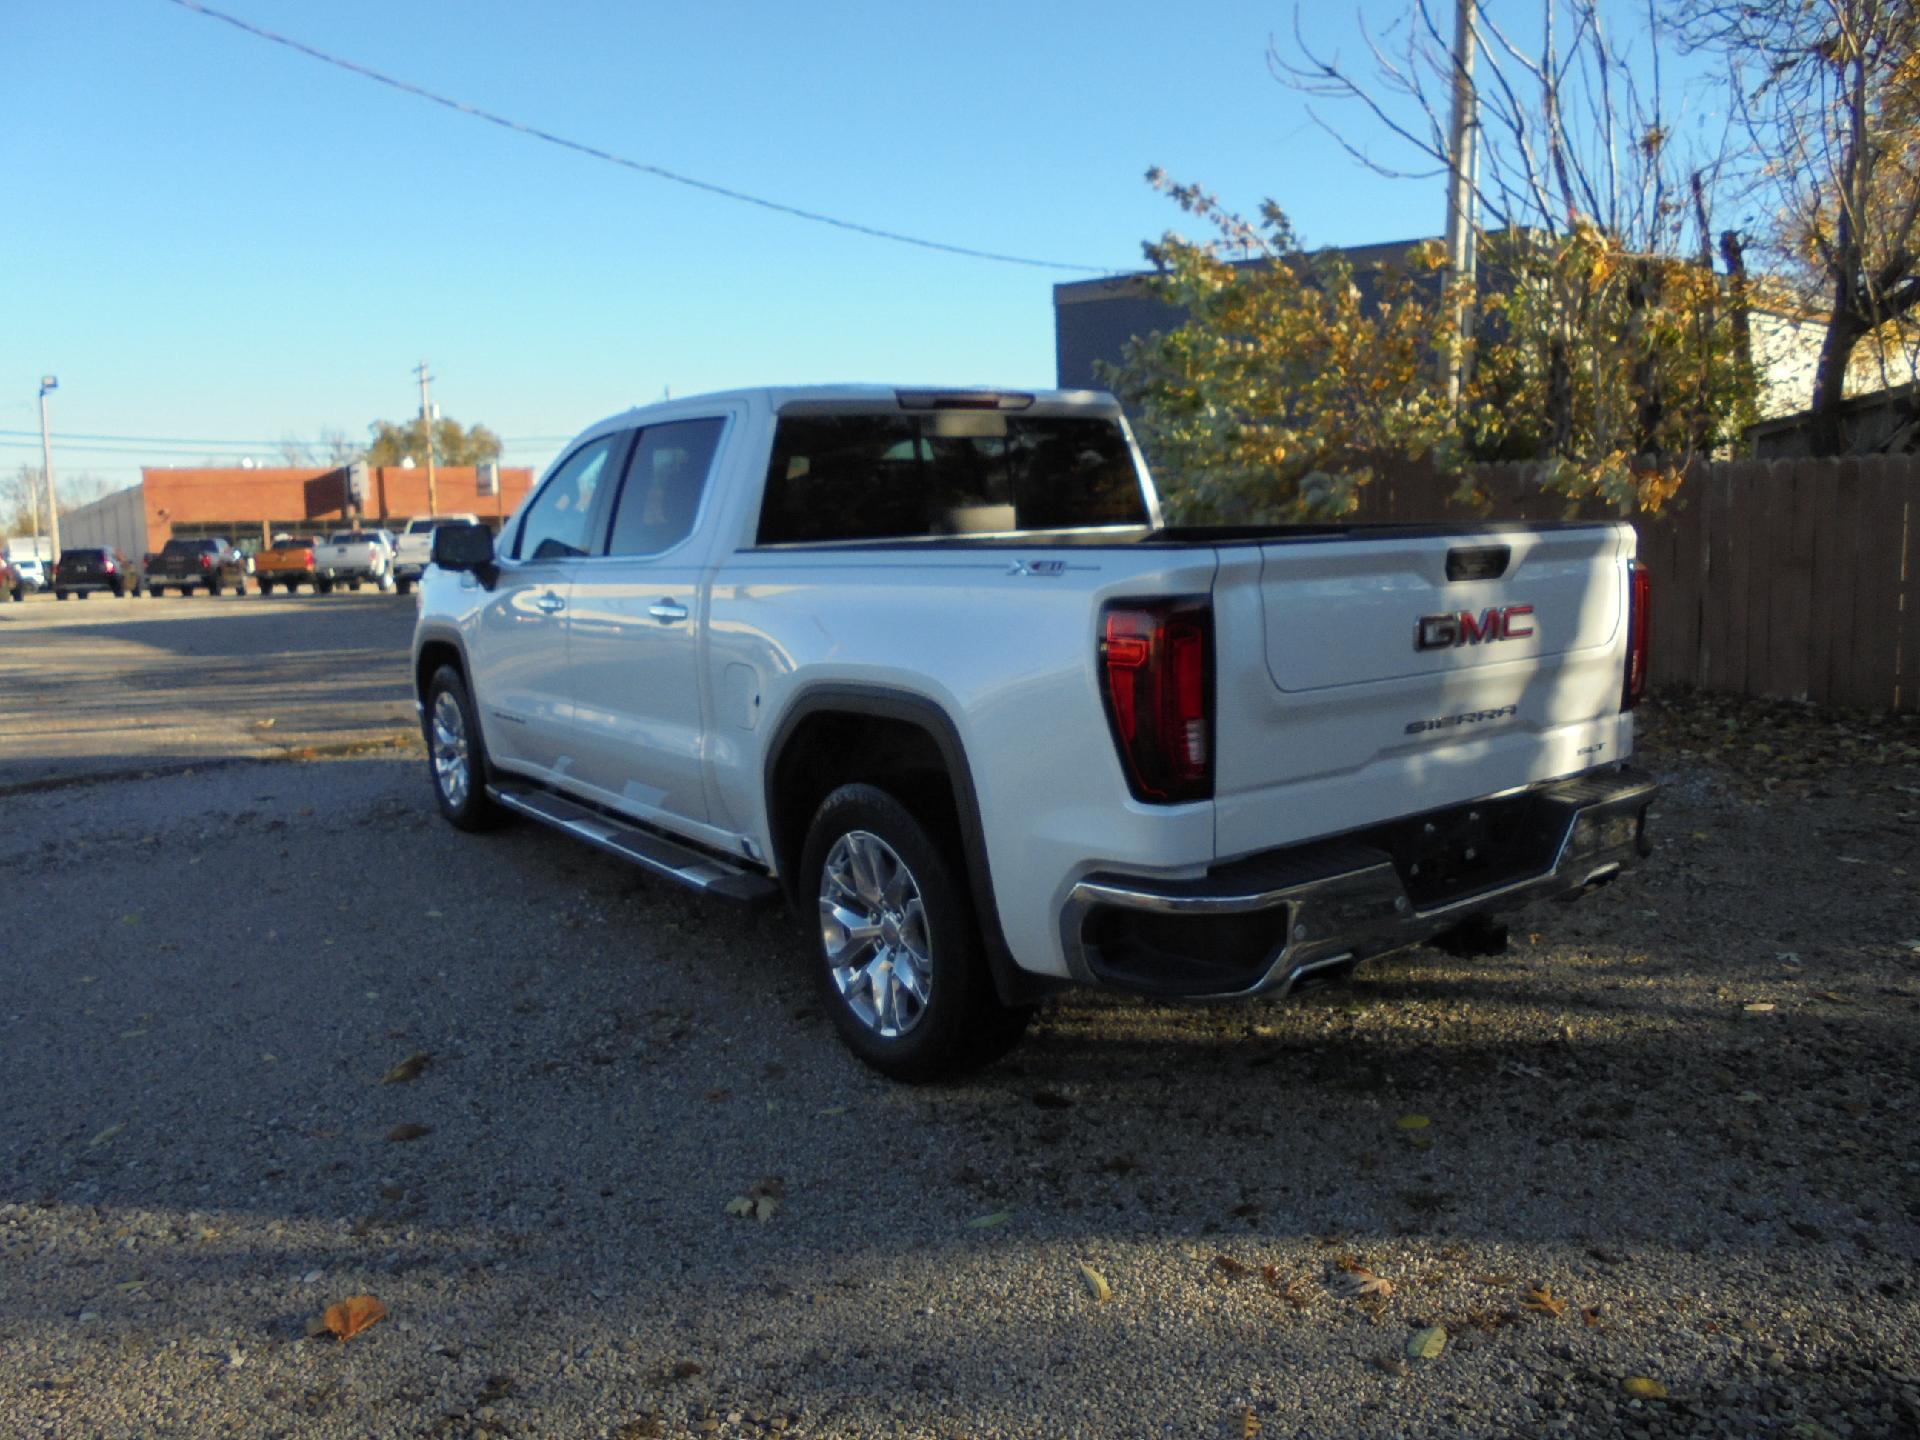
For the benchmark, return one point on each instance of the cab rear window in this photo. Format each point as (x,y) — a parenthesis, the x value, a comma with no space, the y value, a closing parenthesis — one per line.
(909,476)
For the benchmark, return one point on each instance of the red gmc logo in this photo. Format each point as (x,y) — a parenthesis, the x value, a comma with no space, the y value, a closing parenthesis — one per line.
(1444,632)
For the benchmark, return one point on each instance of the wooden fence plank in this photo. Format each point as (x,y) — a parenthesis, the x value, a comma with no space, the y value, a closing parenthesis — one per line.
(1790,586)
(1877,576)
(1835,677)
(1730,585)
(1907,684)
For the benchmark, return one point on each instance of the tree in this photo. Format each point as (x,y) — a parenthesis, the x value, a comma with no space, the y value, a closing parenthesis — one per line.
(1289,383)
(1611,349)
(1828,95)
(452,445)
(1285,387)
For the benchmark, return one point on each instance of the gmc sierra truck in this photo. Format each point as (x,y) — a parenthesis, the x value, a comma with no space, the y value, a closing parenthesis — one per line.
(930,666)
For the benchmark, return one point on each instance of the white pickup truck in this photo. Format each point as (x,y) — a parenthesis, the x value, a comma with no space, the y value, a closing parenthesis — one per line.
(354,558)
(929,665)
(415,549)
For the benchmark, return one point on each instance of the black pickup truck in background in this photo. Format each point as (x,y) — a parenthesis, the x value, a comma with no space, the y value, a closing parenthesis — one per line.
(189,564)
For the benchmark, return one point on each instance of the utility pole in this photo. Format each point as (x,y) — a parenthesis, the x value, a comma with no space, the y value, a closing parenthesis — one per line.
(49,382)
(426,425)
(1462,168)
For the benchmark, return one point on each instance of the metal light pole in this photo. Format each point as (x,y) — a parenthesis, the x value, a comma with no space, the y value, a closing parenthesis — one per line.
(49,382)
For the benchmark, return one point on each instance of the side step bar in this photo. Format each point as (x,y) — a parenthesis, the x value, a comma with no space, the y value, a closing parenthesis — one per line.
(638,846)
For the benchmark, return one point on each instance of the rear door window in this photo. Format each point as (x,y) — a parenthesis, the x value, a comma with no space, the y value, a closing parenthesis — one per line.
(904,476)
(661,495)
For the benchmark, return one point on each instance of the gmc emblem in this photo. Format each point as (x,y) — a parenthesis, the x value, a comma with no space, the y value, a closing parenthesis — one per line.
(1444,632)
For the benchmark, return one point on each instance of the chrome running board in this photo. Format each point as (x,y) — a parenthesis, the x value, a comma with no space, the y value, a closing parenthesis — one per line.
(638,846)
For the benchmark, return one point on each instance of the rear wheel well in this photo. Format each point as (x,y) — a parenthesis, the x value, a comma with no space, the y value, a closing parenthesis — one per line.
(833,748)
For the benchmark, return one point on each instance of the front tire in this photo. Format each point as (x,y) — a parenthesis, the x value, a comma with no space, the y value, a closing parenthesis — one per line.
(899,957)
(403,586)
(266,587)
(59,594)
(456,755)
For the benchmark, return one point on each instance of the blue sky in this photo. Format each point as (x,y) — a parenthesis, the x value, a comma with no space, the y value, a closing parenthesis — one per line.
(210,236)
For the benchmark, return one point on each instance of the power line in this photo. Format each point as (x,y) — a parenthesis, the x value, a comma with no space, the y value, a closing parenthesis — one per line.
(641,166)
(192,442)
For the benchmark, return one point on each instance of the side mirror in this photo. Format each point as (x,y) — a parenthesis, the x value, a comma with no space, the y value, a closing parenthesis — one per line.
(465,547)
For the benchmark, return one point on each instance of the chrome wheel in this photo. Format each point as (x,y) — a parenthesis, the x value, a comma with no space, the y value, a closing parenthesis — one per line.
(451,769)
(873,925)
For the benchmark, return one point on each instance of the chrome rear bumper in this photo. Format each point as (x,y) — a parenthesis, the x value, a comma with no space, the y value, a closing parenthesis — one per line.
(1329,905)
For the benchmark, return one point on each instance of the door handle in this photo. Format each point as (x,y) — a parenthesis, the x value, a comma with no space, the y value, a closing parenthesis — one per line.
(667,611)
(551,603)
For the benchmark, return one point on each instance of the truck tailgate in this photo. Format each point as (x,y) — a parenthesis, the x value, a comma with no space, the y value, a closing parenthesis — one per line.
(1378,675)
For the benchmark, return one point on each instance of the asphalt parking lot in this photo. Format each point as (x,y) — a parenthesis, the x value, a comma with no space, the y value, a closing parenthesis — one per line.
(272,1036)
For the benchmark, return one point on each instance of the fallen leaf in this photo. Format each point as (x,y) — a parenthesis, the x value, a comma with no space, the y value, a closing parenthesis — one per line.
(1096,1283)
(1360,1282)
(352,1315)
(1414,1122)
(1641,1388)
(266,724)
(133,919)
(740,1205)
(1231,1266)
(107,1134)
(1544,1301)
(987,1222)
(1052,1100)
(686,1369)
(763,1208)
(832,1110)
(1428,1343)
(1249,1424)
(131,1034)
(407,1069)
(1759,1007)
(129,1287)
(408,1132)
(1592,1316)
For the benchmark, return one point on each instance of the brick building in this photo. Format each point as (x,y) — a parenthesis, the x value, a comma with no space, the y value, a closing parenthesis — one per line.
(250,505)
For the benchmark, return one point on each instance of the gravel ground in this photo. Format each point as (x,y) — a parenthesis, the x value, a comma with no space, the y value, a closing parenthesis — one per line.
(1668,1138)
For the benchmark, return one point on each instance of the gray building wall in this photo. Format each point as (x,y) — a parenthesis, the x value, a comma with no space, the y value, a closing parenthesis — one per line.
(117,521)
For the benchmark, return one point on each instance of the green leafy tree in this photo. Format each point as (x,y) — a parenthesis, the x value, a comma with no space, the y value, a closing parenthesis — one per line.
(1287,386)
(1284,388)
(452,444)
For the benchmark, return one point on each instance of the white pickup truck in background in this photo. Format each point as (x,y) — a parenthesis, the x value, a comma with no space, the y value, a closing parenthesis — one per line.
(354,558)
(930,665)
(415,549)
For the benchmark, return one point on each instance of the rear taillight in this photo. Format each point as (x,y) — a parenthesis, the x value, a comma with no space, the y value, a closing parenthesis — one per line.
(1639,631)
(108,567)
(1156,658)
(206,562)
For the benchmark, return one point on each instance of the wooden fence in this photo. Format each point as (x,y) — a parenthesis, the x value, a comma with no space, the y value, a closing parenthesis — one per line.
(1793,579)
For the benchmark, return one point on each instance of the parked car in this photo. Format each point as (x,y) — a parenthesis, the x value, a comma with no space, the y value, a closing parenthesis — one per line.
(85,569)
(290,563)
(415,550)
(209,562)
(930,665)
(30,571)
(357,557)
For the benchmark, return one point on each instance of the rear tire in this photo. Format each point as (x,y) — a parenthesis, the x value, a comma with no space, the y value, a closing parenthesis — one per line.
(403,586)
(120,590)
(898,954)
(456,755)
(59,594)
(325,587)
(266,587)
